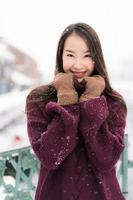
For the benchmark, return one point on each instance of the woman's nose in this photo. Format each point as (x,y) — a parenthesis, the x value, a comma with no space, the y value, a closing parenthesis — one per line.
(78,64)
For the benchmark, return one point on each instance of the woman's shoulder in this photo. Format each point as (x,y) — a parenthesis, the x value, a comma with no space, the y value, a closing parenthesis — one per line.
(114,97)
(116,101)
(42,93)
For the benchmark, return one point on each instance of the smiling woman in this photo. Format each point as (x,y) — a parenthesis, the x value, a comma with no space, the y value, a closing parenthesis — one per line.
(76,123)
(77,57)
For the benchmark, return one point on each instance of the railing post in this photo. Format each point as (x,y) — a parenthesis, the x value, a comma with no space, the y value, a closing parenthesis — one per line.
(125,168)
(18,169)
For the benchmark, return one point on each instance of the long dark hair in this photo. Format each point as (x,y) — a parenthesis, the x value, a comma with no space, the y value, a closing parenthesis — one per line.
(92,40)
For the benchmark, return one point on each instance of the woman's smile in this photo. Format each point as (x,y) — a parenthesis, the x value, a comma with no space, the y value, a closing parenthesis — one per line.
(79,74)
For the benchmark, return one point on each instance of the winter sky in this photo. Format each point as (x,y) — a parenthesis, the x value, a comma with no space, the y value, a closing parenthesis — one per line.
(34,26)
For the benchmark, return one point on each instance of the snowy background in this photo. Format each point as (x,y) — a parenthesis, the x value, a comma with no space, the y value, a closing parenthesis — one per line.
(35,27)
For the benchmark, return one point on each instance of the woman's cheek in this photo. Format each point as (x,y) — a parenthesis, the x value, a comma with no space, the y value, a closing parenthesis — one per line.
(89,73)
(67,65)
(90,70)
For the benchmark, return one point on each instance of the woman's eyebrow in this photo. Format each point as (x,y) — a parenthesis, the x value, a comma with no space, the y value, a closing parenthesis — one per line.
(88,51)
(70,51)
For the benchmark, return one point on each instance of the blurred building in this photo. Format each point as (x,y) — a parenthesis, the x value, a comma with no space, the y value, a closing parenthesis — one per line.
(17,69)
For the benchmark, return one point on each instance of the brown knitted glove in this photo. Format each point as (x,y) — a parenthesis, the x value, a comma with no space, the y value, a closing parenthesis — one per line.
(94,87)
(66,92)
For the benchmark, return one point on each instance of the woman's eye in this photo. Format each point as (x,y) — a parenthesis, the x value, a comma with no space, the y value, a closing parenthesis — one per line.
(88,55)
(69,55)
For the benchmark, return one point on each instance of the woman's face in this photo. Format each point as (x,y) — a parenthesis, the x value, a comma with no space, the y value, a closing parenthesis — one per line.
(76,57)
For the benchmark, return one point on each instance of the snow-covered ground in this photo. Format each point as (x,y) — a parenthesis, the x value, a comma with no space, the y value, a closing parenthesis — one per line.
(13,131)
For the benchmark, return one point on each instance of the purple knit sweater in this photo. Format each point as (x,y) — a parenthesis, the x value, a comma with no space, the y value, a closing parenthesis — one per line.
(78,147)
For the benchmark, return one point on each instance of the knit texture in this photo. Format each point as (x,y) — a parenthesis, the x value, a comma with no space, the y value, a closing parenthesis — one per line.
(78,147)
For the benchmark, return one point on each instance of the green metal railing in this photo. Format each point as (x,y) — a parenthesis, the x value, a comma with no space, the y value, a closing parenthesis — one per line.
(22,164)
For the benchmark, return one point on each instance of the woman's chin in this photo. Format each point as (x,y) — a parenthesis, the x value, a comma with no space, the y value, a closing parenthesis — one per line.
(79,79)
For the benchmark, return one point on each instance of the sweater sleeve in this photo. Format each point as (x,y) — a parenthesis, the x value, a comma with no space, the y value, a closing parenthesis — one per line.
(52,131)
(103,131)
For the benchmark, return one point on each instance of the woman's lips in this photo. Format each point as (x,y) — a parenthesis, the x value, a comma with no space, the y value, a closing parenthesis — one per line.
(79,74)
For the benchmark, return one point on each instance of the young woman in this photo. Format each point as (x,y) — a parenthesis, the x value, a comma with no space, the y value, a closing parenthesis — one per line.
(76,123)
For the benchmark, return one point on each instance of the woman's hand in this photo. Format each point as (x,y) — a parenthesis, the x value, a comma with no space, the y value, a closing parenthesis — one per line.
(94,87)
(66,93)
